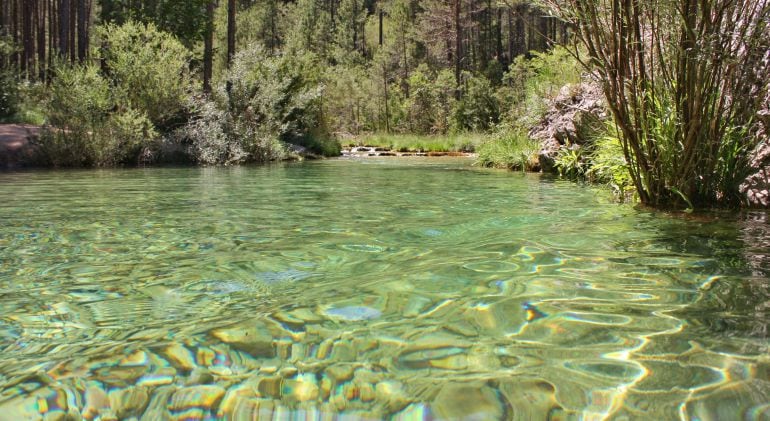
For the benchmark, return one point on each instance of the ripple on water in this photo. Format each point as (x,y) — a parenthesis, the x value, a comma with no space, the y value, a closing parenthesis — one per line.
(492,266)
(354,291)
(364,248)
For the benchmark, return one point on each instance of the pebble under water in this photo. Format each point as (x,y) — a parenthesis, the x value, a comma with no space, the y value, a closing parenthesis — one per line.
(402,289)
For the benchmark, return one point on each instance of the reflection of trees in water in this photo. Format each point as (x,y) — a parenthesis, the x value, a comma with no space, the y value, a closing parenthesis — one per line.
(735,301)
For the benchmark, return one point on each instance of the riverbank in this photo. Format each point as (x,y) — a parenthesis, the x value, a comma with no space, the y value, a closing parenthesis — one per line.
(17,145)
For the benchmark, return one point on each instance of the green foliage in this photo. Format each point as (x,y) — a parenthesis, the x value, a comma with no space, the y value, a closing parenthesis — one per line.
(9,89)
(263,102)
(531,82)
(431,103)
(571,161)
(466,142)
(512,149)
(348,106)
(85,130)
(478,108)
(99,119)
(9,94)
(608,165)
(148,70)
(185,19)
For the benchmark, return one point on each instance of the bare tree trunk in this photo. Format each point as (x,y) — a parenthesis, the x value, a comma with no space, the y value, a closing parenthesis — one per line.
(231,4)
(41,39)
(83,17)
(64,28)
(73,30)
(28,44)
(387,106)
(458,42)
(208,47)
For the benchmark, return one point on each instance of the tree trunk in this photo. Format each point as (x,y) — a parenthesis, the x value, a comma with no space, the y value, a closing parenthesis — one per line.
(73,30)
(41,39)
(27,39)
(64,28)
(83,15)
(458,42)
(208,47)
(230,31)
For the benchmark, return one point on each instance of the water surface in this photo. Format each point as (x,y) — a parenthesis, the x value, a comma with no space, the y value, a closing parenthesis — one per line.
(370,289)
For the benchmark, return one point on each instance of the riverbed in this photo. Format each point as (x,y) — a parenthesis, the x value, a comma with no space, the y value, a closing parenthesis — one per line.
(403,288)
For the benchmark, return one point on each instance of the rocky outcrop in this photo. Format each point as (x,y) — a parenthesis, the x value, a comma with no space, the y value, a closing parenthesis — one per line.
(573,118)
(756,187)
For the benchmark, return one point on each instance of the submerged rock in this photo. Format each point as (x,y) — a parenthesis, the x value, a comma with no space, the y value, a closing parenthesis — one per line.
(353,313)
(196,402)
(252,337)
(469,402)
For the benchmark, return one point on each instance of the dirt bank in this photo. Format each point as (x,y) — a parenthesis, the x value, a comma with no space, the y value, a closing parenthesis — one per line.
(16,146)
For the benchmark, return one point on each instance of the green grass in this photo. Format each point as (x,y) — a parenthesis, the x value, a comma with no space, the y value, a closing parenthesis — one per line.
(25,115)
(466,142)
(511,149)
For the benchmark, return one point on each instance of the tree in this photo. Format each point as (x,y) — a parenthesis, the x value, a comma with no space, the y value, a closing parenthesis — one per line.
(208,47)
(230,31)
(684,80)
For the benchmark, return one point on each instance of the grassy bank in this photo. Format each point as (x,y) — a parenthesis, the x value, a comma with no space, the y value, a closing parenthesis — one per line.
(466,142)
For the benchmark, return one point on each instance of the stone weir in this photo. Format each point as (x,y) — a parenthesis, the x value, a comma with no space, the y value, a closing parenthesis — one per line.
(373,151)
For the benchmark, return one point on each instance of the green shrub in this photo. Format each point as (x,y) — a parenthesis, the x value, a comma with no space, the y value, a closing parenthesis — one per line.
(531,82)
(263,103)
(570,161)
(9,90)
(148,71)
(608,164)
(478,108)
(512,149)
(78,108)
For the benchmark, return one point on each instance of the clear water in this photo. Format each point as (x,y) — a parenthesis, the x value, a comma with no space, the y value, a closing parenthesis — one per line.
(403,289)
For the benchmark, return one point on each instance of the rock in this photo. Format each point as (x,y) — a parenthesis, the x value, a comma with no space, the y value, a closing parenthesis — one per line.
(246,408)
(196,402)
(157,409)
(574,116)
(252,337)
(198,376)
(17,145)
(340,373)
(756,187)
(180,357)
(353,313)
(390,394)
(96,401)
(302,389)
(416,411)
(128,402)
(469,402)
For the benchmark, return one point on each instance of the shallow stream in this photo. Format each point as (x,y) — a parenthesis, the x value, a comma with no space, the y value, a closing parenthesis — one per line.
(367,289)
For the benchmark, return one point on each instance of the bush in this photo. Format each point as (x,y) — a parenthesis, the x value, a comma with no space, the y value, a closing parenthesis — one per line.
(263,103)
(148,71)
(84,129)
(530,83)
(477,109)
(511,149)
(113,118)
(608,164)
(8,84)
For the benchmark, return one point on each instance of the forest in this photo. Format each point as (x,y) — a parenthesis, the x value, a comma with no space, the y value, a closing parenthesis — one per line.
(226,82)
